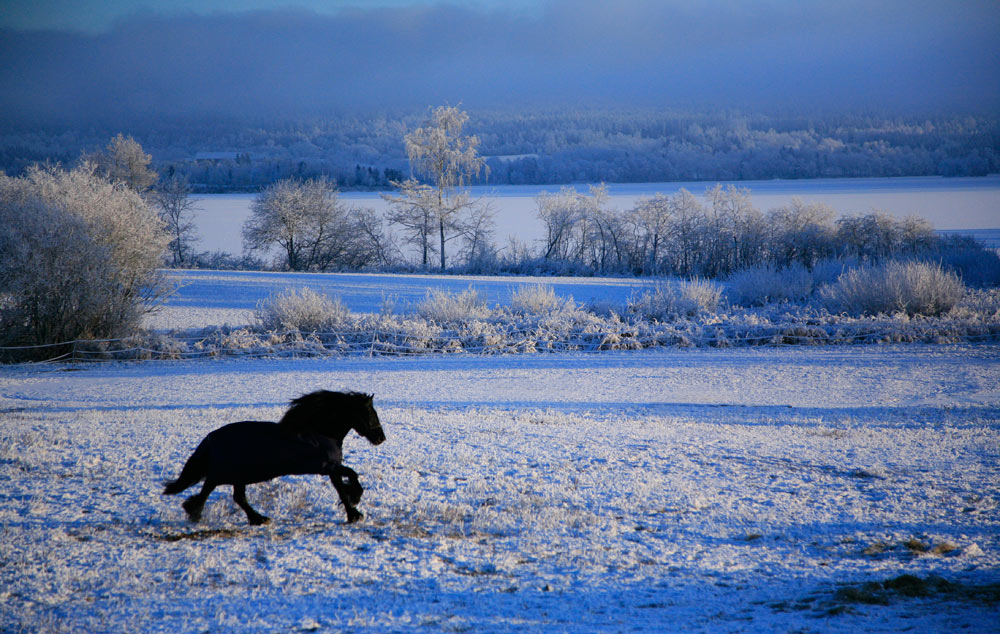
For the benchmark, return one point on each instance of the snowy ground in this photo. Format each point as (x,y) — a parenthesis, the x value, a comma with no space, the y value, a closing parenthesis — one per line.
(218,298)
(686,490)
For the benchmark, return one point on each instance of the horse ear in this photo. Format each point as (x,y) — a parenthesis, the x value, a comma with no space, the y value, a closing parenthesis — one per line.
(371,397)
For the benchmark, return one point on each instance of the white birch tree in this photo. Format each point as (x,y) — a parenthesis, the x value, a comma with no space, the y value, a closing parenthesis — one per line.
(448,160)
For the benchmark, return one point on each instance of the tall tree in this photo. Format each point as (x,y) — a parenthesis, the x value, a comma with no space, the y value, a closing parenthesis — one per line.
(448,160)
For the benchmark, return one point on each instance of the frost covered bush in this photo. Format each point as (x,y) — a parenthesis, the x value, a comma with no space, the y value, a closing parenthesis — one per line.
(539,299)
(979,305)
(762,285)
(913,288)
(443,307)
(670,300)
(79,257)
(301,309)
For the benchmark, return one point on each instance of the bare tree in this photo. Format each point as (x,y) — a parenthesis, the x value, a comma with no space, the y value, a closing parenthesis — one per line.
(802,233)
(578,228)
(379,242)
(688,220)
(173,200)
(652,218)
(477,236)
(306,221)
(601,230)
(559,213)
(738,230)
(414,210)
(439,152)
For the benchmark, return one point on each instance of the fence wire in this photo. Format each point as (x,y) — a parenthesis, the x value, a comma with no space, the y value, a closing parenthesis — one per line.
(396,343)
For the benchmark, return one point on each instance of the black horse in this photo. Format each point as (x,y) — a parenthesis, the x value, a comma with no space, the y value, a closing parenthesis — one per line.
(307,439)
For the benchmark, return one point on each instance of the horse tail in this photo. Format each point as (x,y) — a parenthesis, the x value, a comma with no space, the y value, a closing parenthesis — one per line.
(194,470)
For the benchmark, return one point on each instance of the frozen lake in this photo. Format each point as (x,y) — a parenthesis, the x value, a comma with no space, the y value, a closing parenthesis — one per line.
(948,203)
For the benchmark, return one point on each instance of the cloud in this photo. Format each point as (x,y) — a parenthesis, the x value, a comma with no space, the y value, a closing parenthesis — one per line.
(833,55)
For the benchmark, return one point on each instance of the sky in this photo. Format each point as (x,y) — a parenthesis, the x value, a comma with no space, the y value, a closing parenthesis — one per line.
(80,60)
(94,17)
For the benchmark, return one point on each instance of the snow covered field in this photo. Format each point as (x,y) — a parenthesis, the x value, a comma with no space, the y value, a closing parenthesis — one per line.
(685,490)
(216,298)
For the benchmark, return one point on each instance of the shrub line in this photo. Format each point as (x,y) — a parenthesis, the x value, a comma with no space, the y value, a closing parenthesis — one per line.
(592,342)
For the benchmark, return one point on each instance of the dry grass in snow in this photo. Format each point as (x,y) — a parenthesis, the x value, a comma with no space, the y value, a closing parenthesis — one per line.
(701,490)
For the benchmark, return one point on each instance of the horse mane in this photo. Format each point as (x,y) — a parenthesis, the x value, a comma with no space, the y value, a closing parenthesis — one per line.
(309,410)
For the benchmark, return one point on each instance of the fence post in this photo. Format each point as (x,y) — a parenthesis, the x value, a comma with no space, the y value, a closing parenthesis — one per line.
(72,356)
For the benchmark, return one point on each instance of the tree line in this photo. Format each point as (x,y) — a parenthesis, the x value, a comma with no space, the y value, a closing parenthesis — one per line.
(365,151)
(433,214)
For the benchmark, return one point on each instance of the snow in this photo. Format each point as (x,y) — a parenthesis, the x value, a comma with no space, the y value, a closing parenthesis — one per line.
(205,297)
(685,490)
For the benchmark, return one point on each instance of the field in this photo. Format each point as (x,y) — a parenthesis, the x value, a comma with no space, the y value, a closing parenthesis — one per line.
(205,298)
(790,489)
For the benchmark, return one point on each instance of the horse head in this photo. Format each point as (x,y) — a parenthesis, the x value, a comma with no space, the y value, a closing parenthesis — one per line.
(368,424)
(334,414)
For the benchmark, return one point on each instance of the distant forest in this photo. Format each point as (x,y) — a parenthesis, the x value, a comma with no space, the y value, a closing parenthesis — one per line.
(540,147)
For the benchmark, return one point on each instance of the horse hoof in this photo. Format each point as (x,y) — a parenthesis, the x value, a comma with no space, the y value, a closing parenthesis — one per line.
(193,511)
(355,516)
(257,521)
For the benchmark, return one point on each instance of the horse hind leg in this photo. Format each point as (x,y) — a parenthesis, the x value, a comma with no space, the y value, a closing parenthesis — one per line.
(240,496)
(194,504)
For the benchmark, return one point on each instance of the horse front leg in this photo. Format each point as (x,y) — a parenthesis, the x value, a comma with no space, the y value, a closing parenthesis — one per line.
(345,480)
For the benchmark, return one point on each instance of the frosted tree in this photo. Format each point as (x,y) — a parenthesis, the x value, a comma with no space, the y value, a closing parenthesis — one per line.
(688,228)
(414,209)
(559,213)
(917,234)
(737,230)
(80,256)
(870,236)
(601,230)
(173,201)
(307,222)
(478,248)
(382,246)
(652,219)
(124,161)
(448,160)
(802,233)
(578,228)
